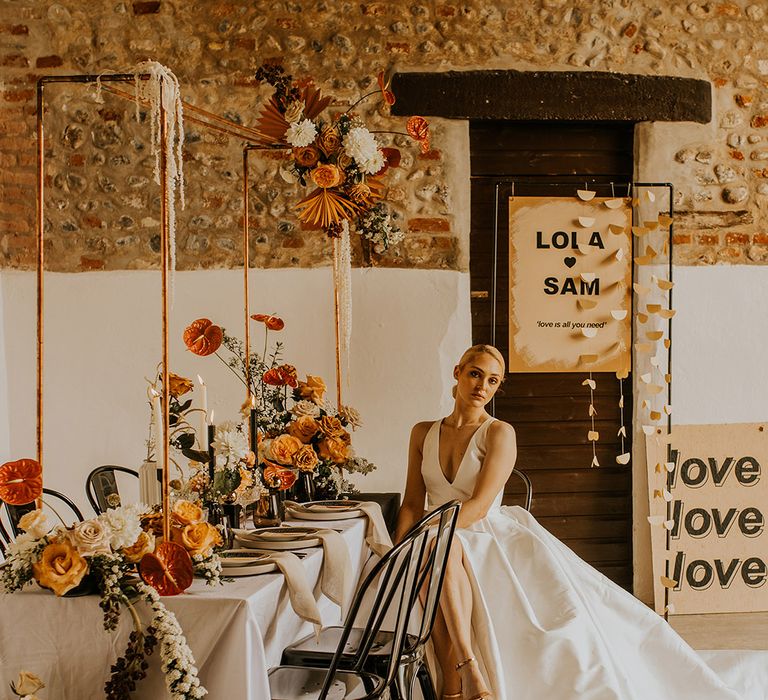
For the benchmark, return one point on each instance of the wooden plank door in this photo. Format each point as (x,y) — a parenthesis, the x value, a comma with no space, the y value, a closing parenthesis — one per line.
(590,509)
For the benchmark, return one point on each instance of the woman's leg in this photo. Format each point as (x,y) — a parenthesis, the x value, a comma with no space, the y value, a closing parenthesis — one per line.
(446,657)
(456,608)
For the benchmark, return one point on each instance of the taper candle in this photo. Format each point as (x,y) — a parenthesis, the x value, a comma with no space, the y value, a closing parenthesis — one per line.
(158,416)
(204,422)
(254,448)
(211,434)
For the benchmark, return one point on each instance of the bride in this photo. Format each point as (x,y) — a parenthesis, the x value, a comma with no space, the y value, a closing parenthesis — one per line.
(522,617)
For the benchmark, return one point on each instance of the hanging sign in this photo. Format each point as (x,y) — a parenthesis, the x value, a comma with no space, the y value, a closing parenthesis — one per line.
(570,266)
(708,503)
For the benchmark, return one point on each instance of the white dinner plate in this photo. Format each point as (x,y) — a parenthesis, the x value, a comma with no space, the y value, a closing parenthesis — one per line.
(243,562)
(327,510)
(278,538)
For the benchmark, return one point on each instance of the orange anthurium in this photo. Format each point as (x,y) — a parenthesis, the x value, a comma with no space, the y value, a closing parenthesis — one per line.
(418,130)
(288,373)
(21,482)
(273,377)
(273,323)
(203,337)
(277,477)
(386,94)
(168,570)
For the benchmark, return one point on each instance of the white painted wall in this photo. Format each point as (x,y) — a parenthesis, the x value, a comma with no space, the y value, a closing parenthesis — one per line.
(5,436)
(102,337)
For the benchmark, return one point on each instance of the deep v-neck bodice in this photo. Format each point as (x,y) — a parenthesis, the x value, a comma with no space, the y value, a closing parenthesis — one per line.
(463,456)
(439,489)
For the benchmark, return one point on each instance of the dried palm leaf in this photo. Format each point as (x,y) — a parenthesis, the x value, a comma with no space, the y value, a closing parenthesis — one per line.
(325,207)
(272,122)
(313,103)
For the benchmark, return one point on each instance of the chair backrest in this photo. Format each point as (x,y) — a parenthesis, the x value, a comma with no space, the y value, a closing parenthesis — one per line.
(54,500)
(101,487)
(419,557)
(528,487)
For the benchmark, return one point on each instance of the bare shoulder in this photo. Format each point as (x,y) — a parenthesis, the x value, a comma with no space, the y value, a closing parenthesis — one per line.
(419,432)
(501,432)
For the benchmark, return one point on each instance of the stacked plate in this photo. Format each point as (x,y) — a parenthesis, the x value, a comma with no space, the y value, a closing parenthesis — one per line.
(244,562)
(325,510)
(278,538)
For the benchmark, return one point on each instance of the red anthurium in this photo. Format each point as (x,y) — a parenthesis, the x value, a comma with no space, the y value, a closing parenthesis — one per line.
(273,323)
(21,482)
(203,337)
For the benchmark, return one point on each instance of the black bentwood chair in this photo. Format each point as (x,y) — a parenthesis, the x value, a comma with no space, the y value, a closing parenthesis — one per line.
(101,487)
(53,501)
(528,488)
(354,648)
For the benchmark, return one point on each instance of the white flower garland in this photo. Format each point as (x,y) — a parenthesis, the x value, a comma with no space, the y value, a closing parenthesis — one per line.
(163,85)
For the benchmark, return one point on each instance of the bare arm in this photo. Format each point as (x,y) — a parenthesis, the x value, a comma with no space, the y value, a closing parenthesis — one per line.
(415,490)
(497,466)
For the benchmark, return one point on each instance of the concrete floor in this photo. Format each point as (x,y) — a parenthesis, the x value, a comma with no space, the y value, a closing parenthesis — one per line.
(745,631)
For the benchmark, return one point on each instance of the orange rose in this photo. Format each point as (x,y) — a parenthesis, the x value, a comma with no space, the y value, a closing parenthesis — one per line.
(305,460)
(304,428)
(60,567)
(331,426)
(186,513)
(313,389)
(329,140)
(197,539)
(283,448)
(179,385)
(143,545)
(334,450)
(306,156)
(326,176)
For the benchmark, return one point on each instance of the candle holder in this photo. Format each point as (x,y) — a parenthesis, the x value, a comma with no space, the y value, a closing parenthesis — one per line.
(269,511)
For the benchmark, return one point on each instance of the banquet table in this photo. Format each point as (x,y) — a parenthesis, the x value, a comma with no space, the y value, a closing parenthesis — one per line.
(236,631)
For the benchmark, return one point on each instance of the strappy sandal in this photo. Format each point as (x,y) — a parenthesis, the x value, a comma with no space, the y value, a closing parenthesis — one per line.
(486,695)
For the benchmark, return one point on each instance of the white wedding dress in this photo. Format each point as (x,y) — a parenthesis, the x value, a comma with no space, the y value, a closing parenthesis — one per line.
(545,624)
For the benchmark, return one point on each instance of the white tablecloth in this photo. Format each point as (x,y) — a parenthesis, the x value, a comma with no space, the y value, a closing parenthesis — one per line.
(236,632)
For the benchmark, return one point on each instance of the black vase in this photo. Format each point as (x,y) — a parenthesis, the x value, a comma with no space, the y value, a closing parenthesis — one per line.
(305,487)
(232,513)
(88,586)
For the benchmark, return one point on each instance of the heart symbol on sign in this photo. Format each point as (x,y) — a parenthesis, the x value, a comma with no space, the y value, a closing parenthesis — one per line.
(570,262)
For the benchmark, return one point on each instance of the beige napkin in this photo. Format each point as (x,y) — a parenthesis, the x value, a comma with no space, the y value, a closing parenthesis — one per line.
(336,579)
(377,535)
(299,592)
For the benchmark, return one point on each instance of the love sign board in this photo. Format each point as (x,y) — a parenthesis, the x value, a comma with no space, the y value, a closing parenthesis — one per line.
(569,284)
(708,504)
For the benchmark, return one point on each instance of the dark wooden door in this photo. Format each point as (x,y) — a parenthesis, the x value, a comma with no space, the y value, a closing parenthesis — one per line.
(588,508)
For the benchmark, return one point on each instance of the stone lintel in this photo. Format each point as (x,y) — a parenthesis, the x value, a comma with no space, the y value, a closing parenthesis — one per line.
(552,95)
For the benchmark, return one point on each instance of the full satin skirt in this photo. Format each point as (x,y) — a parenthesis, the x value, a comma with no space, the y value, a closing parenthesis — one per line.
(547,626)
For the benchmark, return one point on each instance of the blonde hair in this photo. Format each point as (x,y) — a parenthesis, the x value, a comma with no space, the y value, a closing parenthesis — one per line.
(481,349)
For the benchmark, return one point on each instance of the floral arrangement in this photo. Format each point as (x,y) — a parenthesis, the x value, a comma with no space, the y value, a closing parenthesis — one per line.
(337,154)
(297,430)
(103,554)
(182,436)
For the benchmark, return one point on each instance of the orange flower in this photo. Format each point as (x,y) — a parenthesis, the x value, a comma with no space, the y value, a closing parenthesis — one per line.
(144,544)
(202,337)
(283,447)
(168,570)
(304,428)
(273,323)
(305,460)
(329,141)
(306,156)
(273,377)
(418,130)
(186,513)
(277,477)
(313,389)
(21,482)
(334,450)
(331,427)
(326,176)
(386,94)
(200,538)
(179,385)
(392,159)
(60,567)
(289,375)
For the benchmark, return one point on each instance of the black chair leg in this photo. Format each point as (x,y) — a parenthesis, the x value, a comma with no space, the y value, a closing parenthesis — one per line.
(428,691)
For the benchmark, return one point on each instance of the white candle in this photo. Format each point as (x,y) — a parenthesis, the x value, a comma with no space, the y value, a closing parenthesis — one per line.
(203,413)
(157,411)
